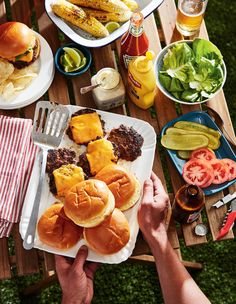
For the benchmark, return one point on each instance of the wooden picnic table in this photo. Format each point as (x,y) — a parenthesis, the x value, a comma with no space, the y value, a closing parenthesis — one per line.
(67,91)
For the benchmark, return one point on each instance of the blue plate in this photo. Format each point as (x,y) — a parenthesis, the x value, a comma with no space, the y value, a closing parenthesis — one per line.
(224,151)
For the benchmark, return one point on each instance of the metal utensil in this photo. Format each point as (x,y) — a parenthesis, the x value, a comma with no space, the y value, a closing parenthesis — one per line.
(219,121)
(224,200)
(50,121)
(228,221)
(87,89)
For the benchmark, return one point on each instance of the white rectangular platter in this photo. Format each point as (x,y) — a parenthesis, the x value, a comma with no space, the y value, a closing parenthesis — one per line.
(141,167)
(81,37)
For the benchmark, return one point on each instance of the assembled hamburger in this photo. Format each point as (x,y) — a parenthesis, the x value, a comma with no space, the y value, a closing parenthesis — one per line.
(18,44)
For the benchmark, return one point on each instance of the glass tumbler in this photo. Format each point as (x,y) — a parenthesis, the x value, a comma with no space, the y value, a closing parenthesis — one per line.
(190,15)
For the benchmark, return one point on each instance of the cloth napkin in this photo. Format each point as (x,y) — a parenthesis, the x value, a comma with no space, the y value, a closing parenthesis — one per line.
(17,155)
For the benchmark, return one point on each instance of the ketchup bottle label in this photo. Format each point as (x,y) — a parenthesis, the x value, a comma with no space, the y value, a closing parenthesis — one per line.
(136,31)
(127,59)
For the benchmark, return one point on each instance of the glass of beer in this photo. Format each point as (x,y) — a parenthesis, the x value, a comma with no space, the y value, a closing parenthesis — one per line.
(190,15)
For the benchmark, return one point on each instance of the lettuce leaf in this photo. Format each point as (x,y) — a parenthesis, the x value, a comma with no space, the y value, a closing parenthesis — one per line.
(205,48)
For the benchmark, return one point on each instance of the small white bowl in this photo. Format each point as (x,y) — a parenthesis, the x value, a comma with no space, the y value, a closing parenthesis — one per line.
(158,65)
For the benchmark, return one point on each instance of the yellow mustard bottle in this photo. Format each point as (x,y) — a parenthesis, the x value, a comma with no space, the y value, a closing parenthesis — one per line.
(142,81)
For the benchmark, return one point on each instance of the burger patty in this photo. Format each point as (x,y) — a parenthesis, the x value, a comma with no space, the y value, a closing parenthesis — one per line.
(127,142)
(20,64)
(56,159)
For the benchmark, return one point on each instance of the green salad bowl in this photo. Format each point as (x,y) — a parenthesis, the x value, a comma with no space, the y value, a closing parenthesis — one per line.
(190,71)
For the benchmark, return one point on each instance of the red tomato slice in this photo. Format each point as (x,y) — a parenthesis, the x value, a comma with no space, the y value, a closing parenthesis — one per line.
(221,171)
(209,182)
(197,172)
(203,154)
(232,168)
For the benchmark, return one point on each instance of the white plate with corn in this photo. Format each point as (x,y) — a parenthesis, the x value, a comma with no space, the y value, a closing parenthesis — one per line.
(84,21)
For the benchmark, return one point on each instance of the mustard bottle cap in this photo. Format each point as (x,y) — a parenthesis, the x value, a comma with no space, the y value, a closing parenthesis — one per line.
(144,63)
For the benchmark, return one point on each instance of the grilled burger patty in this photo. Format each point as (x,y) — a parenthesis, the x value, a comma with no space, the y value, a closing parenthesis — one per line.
(127,142)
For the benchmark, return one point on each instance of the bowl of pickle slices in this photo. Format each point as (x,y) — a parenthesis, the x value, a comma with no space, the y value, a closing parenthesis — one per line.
(72,59)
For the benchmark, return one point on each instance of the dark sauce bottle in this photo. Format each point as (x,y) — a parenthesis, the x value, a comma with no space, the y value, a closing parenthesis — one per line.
(188,203)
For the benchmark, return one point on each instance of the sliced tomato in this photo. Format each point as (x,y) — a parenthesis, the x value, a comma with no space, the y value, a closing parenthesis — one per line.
(232,168)
(203,154)
(209,182)
(220,170)
(197,172)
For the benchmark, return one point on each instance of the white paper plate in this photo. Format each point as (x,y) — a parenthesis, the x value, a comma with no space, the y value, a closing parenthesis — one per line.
(141,167)
(39,85)
(81,37)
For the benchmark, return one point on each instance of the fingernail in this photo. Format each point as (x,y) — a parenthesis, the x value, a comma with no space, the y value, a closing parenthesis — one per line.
(84,247)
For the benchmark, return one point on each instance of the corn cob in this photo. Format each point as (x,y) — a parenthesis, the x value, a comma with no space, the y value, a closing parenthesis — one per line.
(113,6)
(132,4)
(106,16)
(78,17)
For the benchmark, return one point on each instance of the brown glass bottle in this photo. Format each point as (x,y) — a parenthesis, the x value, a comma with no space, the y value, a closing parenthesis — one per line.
(188,203)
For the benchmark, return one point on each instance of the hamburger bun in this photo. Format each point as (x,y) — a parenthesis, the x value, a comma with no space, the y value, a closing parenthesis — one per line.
(56,229)
(123,185)
(89,202)
(110,236)
(18,44)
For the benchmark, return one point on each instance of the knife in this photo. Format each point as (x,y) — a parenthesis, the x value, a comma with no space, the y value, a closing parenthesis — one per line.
(228,198)
(228,221)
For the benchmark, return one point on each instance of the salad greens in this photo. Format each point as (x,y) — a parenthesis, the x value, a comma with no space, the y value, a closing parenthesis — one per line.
(193,72)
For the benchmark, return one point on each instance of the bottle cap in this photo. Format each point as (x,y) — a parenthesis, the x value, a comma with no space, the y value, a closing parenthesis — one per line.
(200,229)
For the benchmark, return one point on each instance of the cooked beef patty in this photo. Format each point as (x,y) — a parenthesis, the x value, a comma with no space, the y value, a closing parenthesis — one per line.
(127,142)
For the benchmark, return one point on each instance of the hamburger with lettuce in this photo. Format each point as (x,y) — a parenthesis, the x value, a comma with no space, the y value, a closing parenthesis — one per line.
(18,44)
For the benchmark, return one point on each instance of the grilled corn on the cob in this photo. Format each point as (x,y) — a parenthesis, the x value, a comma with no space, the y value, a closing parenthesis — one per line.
(78,17)
(106,16)
(132,4)
(113,6)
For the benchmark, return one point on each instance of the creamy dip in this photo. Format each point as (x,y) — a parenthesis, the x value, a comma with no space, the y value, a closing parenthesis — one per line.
(108,78)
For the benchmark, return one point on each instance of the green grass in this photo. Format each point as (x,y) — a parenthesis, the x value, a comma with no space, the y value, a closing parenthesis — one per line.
(128,283)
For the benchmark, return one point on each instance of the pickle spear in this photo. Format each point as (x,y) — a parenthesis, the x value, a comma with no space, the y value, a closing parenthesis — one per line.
(184,142)
(214,142)
(194,126)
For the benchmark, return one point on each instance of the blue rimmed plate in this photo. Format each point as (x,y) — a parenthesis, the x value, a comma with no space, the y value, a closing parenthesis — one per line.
(224,151)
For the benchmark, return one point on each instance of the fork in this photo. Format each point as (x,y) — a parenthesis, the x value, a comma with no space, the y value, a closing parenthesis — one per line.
(50,121)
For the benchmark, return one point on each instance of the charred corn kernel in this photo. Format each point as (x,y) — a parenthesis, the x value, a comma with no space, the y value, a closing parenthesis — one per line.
(106,16)
(78,17)
(133,5)
(113,6)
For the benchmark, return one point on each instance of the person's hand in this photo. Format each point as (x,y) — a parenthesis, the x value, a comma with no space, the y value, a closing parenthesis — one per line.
(152,211)
(76,277)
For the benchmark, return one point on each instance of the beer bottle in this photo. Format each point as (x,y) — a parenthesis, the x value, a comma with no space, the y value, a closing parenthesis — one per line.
(134,42)
(188,203)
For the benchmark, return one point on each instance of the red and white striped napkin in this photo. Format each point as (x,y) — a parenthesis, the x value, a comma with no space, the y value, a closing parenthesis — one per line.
(17,155)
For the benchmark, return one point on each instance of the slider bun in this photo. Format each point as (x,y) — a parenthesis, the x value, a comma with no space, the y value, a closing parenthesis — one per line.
(57,230)
(15,39)
(89,202)
(110,236)
(123,184)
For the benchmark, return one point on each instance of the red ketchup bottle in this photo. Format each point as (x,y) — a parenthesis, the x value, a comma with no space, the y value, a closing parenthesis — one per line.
(134,42)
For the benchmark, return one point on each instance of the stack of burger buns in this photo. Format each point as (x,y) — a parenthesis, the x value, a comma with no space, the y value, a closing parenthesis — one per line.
(94,205)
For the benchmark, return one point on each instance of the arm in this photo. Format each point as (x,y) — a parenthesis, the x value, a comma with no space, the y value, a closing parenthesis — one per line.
(76,277)
(176,283)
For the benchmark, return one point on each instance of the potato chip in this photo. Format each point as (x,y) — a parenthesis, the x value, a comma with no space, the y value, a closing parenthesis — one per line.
(15,80)
(6,69)
(8,91)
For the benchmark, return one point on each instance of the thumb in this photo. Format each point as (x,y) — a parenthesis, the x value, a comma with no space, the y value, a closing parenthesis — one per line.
(81,257)
(147,192)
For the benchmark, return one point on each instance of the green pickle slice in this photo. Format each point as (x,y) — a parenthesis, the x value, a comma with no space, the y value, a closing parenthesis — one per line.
(184,142)
(214,142)
(194,126)
(184,154)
